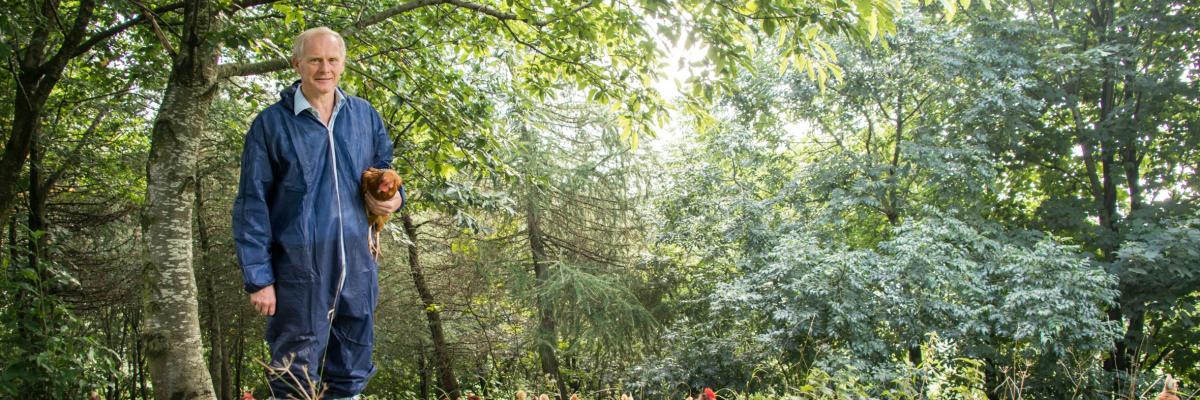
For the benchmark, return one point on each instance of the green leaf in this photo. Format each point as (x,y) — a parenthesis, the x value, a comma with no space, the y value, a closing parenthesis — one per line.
(949,7)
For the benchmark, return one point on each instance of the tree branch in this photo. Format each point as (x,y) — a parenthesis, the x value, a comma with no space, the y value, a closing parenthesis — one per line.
(401,96)
(246,69)
(1086,145)
(162,38)
(510,17)
(244,4)
(763,17)
(388,13)
(262,67)
(917,108)
(73,156)
(563,244)
(533,47)
(110,32)
(75,35)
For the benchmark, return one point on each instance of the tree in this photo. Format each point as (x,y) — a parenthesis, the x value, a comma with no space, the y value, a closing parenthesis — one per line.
(1107,103)
(70,213)
(578,189)
(41,59)
(840,204)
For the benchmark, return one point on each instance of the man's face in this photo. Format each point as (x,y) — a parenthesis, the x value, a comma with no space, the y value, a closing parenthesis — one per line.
(320,65)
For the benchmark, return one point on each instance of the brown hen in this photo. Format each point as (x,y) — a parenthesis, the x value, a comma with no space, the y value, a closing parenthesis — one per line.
(1170,389)
(380,184)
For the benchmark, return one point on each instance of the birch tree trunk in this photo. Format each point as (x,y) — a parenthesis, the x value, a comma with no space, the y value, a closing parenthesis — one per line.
(172,330)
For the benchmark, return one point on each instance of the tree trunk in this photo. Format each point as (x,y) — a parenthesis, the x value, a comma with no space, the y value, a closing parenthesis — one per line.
(217,359)
(28,106)
(239,354)
(30,306)
(12,242)
(135,357)
(547,337)
(1105,195)
(172,331)
(217,364)
(992,379)
(423,371)
(36,78)
(139,356)
(892,212)
(441,351)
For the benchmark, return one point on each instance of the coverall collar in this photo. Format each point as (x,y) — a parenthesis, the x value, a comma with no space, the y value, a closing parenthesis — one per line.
(301,103)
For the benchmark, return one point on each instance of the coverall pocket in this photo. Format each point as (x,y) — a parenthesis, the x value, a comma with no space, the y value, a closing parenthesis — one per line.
(293,312)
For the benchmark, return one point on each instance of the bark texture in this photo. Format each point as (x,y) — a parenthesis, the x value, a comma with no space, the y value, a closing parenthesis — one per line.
(172,328)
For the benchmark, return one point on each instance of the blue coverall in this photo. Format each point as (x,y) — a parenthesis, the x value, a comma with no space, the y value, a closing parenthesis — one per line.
(286,229)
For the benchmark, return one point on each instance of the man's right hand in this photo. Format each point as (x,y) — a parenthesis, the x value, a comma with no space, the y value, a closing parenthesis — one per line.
(264,300)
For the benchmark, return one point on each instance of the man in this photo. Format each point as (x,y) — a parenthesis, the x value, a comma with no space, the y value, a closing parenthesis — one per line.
(300,225)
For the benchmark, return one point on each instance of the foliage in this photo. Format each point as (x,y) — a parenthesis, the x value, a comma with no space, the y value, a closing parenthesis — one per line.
(861,219)
(946,376)
(699,354)
(1161,251)
(875,198)
(997,299)
(41,344)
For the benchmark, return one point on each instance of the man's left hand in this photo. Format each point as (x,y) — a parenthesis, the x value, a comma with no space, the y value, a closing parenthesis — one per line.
(385,207)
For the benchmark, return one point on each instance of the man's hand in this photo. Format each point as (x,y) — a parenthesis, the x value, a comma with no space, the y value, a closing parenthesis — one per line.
(264,300)
(385,207)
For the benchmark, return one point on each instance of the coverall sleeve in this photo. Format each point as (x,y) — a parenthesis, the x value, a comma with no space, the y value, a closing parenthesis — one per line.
(383,143)
(383,151)
(251,217)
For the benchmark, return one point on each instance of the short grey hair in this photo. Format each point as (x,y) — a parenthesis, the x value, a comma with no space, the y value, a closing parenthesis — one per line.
(298,44)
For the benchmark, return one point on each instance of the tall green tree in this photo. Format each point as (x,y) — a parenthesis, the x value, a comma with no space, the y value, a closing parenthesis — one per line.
(57,34)
(910,136)
(576,189)
(70,214)
(1108,101)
